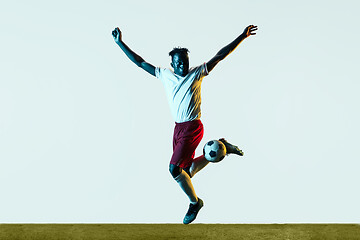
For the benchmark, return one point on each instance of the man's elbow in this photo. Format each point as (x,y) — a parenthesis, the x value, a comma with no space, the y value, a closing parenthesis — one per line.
(219,57)
(138,61)
(141,64)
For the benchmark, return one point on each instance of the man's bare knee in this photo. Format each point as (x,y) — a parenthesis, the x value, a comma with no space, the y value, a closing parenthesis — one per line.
(175,170)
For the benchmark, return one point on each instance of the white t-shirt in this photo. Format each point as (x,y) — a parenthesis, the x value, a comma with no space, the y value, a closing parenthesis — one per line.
(183,93)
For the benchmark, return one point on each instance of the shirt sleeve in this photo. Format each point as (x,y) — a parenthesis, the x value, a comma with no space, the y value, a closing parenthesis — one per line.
(205,71)
(160,73)
(157,72)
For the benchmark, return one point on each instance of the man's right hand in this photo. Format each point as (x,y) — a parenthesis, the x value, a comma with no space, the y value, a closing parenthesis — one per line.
(139,61)
(117,35)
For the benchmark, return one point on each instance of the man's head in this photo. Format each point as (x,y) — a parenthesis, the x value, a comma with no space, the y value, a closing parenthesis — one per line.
(180,61)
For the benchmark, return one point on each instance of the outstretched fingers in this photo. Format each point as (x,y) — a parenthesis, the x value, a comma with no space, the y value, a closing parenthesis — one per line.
(252,29)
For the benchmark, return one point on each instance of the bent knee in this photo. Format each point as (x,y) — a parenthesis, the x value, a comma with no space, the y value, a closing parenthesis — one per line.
(174,170)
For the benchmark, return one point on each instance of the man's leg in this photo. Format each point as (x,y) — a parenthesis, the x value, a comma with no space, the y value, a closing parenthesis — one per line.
(184,181)
(187,137)
(198,164)
(201,162)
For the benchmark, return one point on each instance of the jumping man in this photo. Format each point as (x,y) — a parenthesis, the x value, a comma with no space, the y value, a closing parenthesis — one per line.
(183,91)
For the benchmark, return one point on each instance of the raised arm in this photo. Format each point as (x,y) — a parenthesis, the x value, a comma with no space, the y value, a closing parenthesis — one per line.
(139,61)
(249,30)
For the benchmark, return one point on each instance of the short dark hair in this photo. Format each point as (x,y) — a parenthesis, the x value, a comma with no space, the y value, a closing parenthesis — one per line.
(178,50)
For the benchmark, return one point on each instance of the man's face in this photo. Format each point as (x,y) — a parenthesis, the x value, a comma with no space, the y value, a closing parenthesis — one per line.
(180,63)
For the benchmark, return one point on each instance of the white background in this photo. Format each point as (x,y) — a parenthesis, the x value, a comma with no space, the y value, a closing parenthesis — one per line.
(85,135)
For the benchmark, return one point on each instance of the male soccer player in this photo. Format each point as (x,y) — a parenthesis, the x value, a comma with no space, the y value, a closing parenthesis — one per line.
(183,90)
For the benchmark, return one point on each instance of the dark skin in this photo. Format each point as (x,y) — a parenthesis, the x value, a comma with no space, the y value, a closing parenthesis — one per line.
(180,62)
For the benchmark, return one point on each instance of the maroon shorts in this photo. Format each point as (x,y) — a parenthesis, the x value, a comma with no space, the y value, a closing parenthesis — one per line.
(187,136)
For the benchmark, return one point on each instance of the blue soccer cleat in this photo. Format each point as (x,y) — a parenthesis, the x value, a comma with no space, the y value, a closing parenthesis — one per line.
(193,211)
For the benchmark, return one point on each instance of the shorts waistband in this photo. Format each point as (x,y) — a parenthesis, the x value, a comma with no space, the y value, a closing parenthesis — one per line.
(196,121)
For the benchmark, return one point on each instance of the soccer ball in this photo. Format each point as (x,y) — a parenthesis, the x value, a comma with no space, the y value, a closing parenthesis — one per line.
(214,151)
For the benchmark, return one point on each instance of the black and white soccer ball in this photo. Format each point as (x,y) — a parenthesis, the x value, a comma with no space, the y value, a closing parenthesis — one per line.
(214,151)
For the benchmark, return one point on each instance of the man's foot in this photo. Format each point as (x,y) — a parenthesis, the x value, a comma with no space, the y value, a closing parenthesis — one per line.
(231,148)
(193,211)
